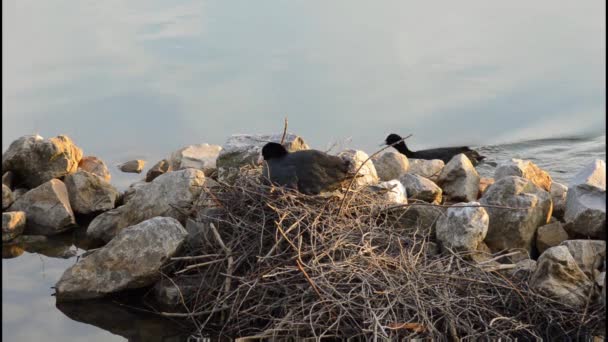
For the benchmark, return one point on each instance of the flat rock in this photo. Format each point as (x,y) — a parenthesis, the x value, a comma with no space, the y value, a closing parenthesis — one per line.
(202,157)
(585,213)
(391,191)
(89,193)
(464,227)
(391,165)
(559,193)
(7,197)
(367,175)
(515,228)
(430,169)
(524,169)
(95,166)
(557,275)
(459,180)
(420,188)
(550,235)
(132,166)
(169,195)
(133,259)
(588,254)
(245,149)
(158,169)
(36,160)
(47,208)
(13,224)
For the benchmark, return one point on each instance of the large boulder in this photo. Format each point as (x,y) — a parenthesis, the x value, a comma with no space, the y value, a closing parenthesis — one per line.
(464,227)
(95,166)
(588,254)
(158,169)
(517,207)
(169,195)
(18,193)
(420,188)
(550,235)
(7,197)
(47,208)
(132,166)
(390,165)
(201,157)
(133,259)
(36,160)
(559,193)
(585,213)
(13,224)
(131,190)
(89,193)
(244,149)
(367,174)
(459,180)
(391,191)
(524,169)
(430,169)
(557,275)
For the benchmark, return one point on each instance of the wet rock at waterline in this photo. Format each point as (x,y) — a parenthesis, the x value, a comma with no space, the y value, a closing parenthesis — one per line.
(420,188)
(524,169)
(169,195)
(89,193)
(158,169)
(390,165)
(47,208)
(95,166)
(463,228)
(550,235)
(202,157)
(132,166)
(132,259)
(367,174)
(13,224)
(459,180)
(36,160)
(7,197)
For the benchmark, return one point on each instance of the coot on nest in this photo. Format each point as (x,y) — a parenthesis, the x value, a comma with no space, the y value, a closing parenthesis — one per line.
(444,153)
(308,171)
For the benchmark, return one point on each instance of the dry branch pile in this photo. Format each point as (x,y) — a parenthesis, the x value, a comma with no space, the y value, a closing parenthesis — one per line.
(280,263)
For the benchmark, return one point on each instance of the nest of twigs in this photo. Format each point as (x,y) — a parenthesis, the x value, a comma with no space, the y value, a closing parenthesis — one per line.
(277,263)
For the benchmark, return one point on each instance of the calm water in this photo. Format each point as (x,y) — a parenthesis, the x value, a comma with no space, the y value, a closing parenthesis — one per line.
(142,78)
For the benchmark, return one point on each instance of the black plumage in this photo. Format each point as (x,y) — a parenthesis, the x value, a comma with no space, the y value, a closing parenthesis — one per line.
(444,153)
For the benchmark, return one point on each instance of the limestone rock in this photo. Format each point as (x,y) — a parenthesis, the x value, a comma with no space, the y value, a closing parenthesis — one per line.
(13,224)
(36,160)
(464,227)
(367,174)
(430,169)
(459,180)
(169,195)
(158,169)
(391,165)
(422,219)
(550,235)
(47,208)
(89,193)
(585,213)
(420,188)
(558,194)
(201,157)
(557,275)
(132,166)
(588,254)
(515,228)
(130,192)
(132,259)
(7,197)
(524,269)
(95,166)
(243,149)
(392,191)
(524,169)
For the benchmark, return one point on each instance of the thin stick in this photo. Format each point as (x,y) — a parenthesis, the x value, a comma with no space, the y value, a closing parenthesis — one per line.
(284,131)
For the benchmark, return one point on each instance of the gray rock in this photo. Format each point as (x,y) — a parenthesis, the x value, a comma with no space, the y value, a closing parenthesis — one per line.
(464,227)
(390,165)
(367,175)
(169,292)
(459,180)
(8,179)
(420,218)
(158,169)
(585,213)
(523,269)
(13,224)
(550,235)
(245,149)
(132,166)
(391,191)
(95,166)
(130,192)
(7,197)
(36,160)
(588,254)
(524,169)
(133,259)
(169,195)
(557,275)
(89,193)
(430,169)
(515,228)
(17,193)
(202,157)
(420,188)
(558,194)
(47,209)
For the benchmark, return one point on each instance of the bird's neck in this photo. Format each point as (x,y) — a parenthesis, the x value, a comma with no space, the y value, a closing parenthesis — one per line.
(402,148)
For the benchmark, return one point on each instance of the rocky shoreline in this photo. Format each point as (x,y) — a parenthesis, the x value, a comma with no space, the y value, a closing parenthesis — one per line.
(519,221)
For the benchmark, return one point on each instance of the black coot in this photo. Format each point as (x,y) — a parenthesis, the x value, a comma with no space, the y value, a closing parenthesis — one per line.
(444,153)
(309,171)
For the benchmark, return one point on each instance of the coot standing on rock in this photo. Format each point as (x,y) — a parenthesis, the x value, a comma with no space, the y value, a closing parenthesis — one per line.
(308,171)
(444,153)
